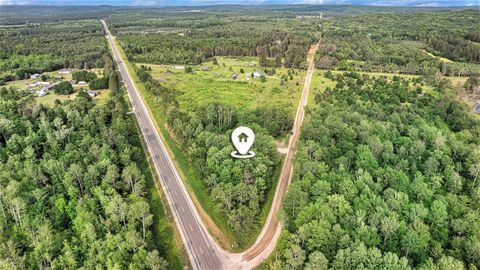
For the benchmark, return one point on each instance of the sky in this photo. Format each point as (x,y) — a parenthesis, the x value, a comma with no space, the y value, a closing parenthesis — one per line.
(439,3)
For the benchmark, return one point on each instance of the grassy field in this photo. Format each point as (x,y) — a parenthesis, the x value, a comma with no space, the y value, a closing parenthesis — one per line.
(203,87)
(49,99)
(443,59)
(319,84)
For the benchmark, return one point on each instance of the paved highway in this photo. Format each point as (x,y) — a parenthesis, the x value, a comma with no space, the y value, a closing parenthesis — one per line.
(203,252)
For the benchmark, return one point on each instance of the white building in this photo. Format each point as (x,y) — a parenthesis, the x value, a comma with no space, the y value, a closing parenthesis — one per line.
(258,73)
(35,76)
(41,93)
(92,93)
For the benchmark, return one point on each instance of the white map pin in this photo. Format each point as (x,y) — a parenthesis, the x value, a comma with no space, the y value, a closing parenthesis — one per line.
(242,139)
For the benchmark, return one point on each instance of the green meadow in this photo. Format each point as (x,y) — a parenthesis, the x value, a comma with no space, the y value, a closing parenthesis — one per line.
(208,83)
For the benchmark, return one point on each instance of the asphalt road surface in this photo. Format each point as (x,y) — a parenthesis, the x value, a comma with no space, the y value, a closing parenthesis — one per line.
(203,252)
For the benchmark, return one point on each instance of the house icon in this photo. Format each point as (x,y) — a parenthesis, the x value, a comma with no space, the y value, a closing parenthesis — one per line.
(242,137)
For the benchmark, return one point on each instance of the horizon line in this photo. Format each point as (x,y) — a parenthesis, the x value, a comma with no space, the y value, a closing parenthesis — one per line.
(243,5)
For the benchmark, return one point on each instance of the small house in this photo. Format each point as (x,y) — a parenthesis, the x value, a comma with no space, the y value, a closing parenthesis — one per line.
(258,73)
(43,83)
(82,83)
(179,67)
(41,93)
(234,76)
(251,64)
(92,93)
(35,76)
(206,68)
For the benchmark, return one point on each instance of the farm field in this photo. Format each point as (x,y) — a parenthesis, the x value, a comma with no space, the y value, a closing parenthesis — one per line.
(202,87)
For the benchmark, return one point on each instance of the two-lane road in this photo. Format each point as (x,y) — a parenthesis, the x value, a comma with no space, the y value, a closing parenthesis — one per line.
(200,246)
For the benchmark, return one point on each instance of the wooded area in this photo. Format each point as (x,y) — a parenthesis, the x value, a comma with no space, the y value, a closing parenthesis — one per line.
(72,193)
(193,38)
(386,177)
(401,43)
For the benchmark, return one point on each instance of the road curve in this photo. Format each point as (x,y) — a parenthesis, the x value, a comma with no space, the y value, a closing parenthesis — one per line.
(203,251)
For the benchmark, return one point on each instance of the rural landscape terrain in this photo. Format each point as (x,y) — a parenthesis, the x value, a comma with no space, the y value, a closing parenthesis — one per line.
(116,123)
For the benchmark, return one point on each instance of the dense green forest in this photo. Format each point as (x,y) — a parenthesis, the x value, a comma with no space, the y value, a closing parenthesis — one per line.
(52,46)
(402,43)
(73,192)
(386,177)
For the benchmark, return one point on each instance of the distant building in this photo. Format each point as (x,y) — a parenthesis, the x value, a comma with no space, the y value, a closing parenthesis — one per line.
(252,64)
(41,93)
(82,83)
(258,73)
(92,93)
(205,68)
(234,76)
(35,76)
(64,71)
(180,67)
(43,83)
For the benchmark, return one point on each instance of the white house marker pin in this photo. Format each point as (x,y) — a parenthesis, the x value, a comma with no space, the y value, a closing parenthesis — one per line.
(242,139)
